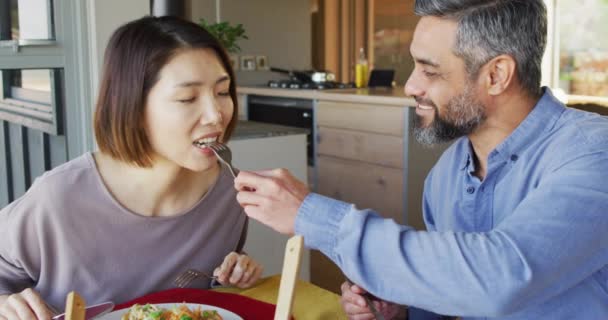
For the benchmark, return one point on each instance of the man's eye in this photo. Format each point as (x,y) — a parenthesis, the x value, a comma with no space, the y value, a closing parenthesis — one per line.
(190,100)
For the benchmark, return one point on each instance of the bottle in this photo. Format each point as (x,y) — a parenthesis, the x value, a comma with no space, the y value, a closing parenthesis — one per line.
(361,70)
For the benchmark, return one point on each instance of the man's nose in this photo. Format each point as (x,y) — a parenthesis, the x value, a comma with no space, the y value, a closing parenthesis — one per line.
(412,87)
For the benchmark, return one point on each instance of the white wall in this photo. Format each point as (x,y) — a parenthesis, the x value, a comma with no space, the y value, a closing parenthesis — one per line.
(105,17)
(279,29)
(264,244)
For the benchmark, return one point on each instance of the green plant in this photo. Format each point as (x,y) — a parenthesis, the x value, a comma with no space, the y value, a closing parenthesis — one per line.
(227,34)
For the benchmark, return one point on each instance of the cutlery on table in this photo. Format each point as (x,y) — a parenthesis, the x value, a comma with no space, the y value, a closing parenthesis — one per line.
(184,279)
(291,266)
(91,311)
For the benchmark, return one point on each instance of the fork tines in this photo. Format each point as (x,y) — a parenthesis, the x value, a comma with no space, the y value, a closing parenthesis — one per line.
(188,276)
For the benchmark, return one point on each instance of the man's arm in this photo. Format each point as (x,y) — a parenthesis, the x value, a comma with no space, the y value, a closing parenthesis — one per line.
(554,240)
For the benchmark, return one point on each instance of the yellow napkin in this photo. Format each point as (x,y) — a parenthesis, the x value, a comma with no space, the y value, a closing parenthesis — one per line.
(310,301)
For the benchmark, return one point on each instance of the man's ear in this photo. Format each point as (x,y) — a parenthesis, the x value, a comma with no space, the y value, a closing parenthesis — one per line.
(499,73)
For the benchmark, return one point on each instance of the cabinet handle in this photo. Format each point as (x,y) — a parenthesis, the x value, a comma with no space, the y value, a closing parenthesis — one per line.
(381,182)
(306,115)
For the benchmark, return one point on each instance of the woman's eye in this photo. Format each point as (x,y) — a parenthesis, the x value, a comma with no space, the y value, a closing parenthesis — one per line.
(189,100)
(224,93)
(429,74)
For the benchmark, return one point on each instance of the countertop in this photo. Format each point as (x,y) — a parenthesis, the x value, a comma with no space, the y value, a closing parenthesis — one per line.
(252,130)
(386,96)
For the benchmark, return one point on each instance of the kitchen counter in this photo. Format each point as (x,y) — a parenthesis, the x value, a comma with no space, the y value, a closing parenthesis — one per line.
(252,130)
(386,96)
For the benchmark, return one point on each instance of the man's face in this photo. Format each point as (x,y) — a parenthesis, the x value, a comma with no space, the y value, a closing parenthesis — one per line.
(448,106)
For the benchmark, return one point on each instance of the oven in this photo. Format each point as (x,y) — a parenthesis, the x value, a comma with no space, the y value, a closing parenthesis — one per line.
(291,112)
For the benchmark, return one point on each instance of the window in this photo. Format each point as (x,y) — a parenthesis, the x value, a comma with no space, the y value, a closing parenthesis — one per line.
(30,19)
(579,49)
(31,82)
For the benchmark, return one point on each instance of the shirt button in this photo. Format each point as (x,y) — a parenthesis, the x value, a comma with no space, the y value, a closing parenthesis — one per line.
(470,190)
(514,157)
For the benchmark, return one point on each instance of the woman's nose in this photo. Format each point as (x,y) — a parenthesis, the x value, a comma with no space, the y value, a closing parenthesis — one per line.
(211,113)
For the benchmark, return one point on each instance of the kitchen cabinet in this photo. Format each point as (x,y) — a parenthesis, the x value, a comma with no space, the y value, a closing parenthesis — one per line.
(366,155)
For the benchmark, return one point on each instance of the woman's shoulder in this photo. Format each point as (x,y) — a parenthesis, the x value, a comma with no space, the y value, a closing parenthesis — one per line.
(58,185)
(67,174)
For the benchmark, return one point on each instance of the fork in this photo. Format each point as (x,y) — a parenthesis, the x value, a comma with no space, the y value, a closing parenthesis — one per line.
(224,154)
(190,275)
(368,299)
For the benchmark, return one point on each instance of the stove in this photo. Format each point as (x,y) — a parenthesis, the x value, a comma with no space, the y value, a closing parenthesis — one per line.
(297,85)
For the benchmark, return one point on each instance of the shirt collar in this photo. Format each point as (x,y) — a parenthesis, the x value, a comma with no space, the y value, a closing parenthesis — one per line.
(542,118)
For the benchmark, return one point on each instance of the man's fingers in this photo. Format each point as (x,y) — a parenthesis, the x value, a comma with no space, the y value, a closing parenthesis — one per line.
(250,199)
(354,297)
(265,182)
(358,290)
(248,180)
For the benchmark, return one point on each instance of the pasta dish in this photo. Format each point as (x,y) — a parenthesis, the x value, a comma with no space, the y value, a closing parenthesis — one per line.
(181,312)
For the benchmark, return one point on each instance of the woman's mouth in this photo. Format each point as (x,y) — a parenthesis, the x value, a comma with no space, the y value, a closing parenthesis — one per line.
(205,142)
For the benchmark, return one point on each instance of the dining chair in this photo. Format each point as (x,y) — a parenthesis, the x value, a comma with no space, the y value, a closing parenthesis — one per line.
(289,274)
(74,307)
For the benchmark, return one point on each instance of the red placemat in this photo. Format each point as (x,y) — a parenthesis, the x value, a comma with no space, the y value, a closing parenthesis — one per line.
(247,308)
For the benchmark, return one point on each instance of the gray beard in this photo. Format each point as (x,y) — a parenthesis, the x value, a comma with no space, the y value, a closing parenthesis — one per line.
(463,115)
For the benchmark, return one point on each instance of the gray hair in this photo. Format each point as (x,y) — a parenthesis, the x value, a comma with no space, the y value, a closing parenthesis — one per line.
(489,28)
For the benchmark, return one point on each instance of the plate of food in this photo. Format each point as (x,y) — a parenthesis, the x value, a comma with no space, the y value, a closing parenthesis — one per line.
(172,311)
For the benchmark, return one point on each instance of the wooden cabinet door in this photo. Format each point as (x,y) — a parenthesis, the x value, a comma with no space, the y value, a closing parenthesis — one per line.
(381,119)
(367,186)
(361,146)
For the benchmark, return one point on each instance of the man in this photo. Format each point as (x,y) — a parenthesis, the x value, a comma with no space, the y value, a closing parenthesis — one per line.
(516,209)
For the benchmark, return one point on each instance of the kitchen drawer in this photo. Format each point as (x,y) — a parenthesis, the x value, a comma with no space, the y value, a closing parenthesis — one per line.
(366,185)
(362,146)
(361,117)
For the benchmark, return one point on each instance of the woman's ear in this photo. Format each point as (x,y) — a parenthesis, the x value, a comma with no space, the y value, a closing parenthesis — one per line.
(499,73)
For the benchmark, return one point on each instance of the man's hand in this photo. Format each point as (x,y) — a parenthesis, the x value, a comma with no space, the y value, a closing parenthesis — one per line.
(271,197)
(356,307)
(238,270)
(25,305)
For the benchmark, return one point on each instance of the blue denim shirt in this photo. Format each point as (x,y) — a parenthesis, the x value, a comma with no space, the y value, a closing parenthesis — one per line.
(530,241)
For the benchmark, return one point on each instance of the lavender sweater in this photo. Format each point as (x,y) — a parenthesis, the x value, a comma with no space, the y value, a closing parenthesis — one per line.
(68,233)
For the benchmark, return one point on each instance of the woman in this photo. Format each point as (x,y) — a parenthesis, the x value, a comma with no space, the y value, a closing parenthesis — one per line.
(153,202)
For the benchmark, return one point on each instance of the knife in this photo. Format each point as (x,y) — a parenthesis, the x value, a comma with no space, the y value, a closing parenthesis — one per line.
(92,311)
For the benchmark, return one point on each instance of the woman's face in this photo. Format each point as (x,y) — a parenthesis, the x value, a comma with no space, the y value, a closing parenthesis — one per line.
(189,105)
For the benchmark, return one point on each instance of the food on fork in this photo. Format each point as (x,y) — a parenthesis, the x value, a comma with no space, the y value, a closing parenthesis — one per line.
(181,312)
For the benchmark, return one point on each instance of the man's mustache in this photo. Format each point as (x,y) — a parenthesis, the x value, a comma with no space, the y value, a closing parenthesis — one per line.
(425,102)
